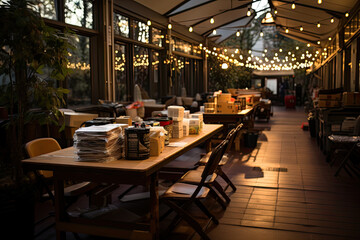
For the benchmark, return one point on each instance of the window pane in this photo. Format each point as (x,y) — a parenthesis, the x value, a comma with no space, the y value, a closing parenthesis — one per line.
(120,73)
(46,8)
(79,82)
(79,13)
(155,75)
(181,46)
(121,25)
(157,37)
(141,64)
(141,32)
(196,50)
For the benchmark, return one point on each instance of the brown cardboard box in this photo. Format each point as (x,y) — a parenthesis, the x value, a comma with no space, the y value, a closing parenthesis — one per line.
(124,119)
(226,108)
(336,97)
(351,98)
(155,144)
(224,97)
(328,103)
(74,119)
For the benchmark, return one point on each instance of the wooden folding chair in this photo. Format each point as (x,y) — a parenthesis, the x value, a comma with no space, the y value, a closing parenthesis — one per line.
(181,195)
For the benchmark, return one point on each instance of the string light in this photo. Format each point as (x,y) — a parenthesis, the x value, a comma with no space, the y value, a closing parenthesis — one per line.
(148,22)
(191,29)
(319,1)
(214,32)
(265,50)
(297,47)
(212,21)
(249,51)
(329,38)
(287,30)
(238,33)
(248,12)
(261,34)
(169,26)
(293,5)
(318,42)
(301,28)
(332,20)
(280,50)
(275,11)
(318,24)
(308,45)
(347,14)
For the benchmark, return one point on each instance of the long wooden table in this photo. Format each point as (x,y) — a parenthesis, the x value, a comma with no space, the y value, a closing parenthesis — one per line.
(137,172)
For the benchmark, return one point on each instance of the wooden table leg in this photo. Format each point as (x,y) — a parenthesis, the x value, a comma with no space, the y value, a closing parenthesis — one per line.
(60,213)
(154,207)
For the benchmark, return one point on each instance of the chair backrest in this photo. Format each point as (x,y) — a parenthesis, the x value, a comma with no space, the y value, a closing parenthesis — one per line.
(214,159)
(41,146)
(232,135)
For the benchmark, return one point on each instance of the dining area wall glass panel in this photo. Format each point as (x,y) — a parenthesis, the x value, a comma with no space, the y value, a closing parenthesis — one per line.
(121,89)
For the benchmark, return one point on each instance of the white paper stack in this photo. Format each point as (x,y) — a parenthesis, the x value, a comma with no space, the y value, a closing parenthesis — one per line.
(99,143)
(176,113)
(186,127)
(200,117)
(186,113)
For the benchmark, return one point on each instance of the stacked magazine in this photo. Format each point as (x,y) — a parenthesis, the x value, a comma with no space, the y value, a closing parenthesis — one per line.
(99,143)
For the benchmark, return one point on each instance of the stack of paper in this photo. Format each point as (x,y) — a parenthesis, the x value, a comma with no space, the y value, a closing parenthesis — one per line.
(99,143)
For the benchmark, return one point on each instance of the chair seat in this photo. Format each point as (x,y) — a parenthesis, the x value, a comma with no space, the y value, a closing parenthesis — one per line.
(194,176)
(204,159)
(184,191)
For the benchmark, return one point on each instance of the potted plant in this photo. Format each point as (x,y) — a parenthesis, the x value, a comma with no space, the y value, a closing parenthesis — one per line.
(33,57)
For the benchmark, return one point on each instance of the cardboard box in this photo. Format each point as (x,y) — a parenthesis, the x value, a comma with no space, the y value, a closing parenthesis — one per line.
(351,98)
(177,123)
(209,105)
(176,112)
(186,127)
(336,97)
(74,119)
(124,119)
(224,97)
(177,131)
(226,108)
(328,103)
(155,144)
(209,110)
(194,126)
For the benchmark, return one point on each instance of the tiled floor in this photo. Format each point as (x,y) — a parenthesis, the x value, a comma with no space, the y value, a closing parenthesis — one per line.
(285,190)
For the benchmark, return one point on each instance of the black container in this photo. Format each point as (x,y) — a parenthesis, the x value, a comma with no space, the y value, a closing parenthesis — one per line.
(98,122)
(137,143)
(251,139)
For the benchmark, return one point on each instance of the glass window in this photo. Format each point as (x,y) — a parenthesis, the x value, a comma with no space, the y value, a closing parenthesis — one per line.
(79,13)
(157,37)
(141,32)
(155,75)
(196,50)
(79,82)
(141,67)
(121,25)
(181,46)
(120,73)
(46,8)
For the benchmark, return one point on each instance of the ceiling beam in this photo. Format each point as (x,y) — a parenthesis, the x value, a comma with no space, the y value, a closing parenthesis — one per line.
(227,10)
(297,20)
(331,12)
(168,14)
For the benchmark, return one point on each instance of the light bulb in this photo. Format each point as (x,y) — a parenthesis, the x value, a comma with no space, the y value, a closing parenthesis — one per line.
(261,34)
(214,32)
(318,42)
(346,14)
(169,26)
(318,24)
(308,45)
(275,11)
(332,20)
(248,12)
(301,28)
(249,51)
(191,29)
(238,33)
(148,22)
(287,30)
(297,47)
(293,5)
(212,20)
(319,1)
(330,38)
(280,50)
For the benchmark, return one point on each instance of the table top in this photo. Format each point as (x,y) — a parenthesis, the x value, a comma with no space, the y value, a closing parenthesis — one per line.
(64,159)
(241,113)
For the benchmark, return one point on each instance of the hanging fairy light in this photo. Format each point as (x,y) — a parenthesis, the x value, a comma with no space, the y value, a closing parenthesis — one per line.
(275,11)
(261,34)
(214,32)
(280,50)
(319,1)
(212,21)
(332,20)
(347,14)
(191,29)
(287,30)
(297,48)
(238,33)
(293,5)
(169,26)
(318,42)
(249,51)
(308,45)
(301,28)
(248,12)
(148,23)
(318,24)
(329,38)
